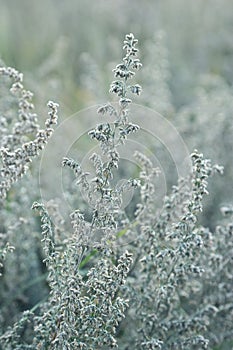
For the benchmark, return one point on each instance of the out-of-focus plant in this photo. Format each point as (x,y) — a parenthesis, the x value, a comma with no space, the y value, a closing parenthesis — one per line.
(207,124)
(156,75)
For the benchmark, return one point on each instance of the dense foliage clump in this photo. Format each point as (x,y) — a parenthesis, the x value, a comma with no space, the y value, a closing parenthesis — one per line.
(145,279)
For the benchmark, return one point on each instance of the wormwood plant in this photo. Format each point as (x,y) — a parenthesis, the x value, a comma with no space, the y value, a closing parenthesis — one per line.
(21,141)
(170,289)
(16,153)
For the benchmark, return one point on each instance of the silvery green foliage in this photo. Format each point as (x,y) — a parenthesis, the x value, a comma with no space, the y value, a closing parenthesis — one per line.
(215,290)
(105,199)
(21,141)
(17,150)
(12,338)
(179,295)
(170,249)
(5,248)
(81,313)
(93,320)
(171,288)
(23,280)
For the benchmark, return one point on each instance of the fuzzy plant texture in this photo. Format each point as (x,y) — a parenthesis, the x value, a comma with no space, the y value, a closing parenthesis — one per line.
(157,280)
